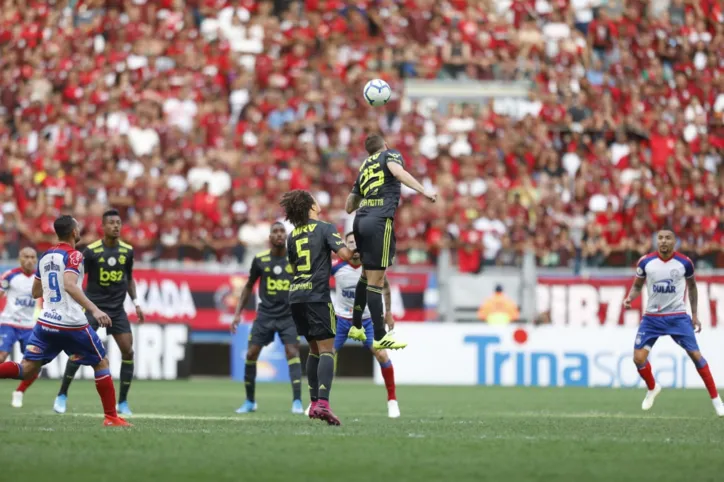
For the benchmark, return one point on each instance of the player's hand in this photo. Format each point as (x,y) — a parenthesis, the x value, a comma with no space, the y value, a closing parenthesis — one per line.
(696,324)
(627,304)
(389,321)
(235,324)
(140,315)
(430,195)
(102,318)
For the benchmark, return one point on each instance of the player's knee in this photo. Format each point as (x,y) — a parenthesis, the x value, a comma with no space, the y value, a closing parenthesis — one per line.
(381,356)
(3,356)
(128,355)
(640,357)
(252,353)
(292,351)
(103,365)
(30,369)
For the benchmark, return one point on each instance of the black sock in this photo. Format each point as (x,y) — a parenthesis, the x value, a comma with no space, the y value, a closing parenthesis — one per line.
(360,302)
(250,379)
(126,378)
(374,300)
(70,369)
(326,374)
(312,376)
(295,374)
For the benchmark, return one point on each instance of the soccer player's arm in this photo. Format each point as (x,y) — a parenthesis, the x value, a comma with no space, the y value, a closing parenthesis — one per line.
(638,283)
(4,283)
(132,288)
(354,198)
(693,293)
(396,165)
(37,290)
(246,291)
(70,284)
(335,243)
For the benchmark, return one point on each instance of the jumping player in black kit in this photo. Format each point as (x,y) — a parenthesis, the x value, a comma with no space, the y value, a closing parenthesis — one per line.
(109,265)
(309,248)
(274,315)
(375,196)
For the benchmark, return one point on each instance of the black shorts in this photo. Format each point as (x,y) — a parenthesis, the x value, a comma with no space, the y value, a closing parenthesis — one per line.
(375,238)
(315,321)
(263,330)
(118,318)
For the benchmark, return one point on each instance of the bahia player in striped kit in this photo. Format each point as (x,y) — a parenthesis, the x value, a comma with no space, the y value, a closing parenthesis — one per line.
(668,276)
(62,325)
(18,317)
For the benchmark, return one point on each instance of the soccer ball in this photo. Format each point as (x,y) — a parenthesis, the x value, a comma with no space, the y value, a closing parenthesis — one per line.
(377,92)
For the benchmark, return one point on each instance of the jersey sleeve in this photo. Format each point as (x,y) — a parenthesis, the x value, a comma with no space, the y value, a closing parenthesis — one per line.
(74,262)
(394,156)
(291,254)
(641,267)
(355,188)
(688,267)
(337,266)
(254,271)
(333,239)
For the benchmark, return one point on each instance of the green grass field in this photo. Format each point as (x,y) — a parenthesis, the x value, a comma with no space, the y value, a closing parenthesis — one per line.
(189,431)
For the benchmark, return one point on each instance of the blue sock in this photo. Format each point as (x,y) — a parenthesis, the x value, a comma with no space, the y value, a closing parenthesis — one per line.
(387,364)
(102,373)
(701,363)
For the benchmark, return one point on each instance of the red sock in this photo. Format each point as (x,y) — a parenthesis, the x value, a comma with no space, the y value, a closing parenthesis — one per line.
(26,383)
(388,373)
(104,385)
(705,374)
(648,377)
(10,369)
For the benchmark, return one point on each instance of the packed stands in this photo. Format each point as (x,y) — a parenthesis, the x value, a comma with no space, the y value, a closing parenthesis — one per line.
(194,116)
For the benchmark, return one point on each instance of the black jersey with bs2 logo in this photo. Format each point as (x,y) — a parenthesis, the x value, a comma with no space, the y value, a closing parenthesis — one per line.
(109,270)
(275,275)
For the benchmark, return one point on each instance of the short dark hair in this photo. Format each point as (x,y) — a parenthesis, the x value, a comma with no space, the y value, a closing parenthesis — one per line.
(296,206)
(110,212)
(374,143)
(278,223)
(669,229)
(350,233)
(64,226)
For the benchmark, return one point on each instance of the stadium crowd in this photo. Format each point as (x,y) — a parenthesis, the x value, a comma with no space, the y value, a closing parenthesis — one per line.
(193,117)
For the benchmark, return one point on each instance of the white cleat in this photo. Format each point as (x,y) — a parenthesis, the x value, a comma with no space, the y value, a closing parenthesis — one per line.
(306,412)
(18,400)
(650,398)
(718,406)
(393,409)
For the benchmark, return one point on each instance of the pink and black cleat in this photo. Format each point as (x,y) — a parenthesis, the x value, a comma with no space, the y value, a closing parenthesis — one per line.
(312,410)
(323,412)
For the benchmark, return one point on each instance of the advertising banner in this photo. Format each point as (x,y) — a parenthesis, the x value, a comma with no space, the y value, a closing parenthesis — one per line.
(576,301)
(543,356)
(207,301)
(162,353)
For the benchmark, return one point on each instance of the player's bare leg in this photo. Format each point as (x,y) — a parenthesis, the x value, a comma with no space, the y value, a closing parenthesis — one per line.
(295,375)
(252,355)
(312,378)
(325,376)
(125,345)
(702,366)
(641,359)
(107,392)
(388,374)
